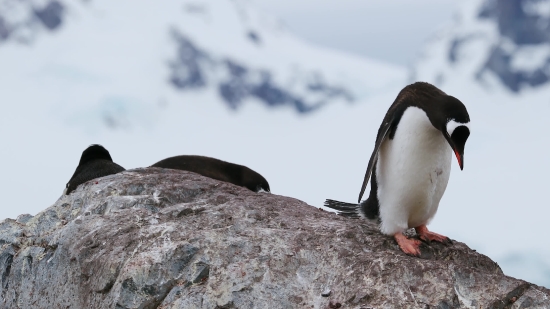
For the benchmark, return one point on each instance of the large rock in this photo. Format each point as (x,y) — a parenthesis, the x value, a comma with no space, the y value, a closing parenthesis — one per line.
(153,238)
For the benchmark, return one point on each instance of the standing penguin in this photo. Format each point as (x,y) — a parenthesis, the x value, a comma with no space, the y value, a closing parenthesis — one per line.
(95,162)
(411,164)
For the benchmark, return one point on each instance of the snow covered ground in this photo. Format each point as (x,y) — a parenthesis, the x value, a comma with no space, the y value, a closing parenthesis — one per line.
(107,76)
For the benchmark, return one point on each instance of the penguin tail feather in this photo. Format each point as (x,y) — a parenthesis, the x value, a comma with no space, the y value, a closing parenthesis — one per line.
(344,209)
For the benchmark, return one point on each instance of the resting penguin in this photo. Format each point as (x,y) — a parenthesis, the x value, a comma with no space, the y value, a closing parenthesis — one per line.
(217,169)
(95,162)
(411,164)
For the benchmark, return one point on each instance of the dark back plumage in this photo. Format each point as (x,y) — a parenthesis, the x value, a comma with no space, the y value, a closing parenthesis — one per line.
(217,169)
(95,162)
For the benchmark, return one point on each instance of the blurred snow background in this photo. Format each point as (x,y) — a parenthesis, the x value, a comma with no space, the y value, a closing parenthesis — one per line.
(294,90)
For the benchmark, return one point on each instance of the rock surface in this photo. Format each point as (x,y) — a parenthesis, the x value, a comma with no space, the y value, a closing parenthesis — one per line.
(154,238)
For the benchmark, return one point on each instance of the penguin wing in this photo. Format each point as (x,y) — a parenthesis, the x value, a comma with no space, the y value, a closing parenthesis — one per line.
(383,133)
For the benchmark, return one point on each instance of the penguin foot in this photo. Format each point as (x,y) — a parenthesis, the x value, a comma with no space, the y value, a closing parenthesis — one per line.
(408,245)
(428,236)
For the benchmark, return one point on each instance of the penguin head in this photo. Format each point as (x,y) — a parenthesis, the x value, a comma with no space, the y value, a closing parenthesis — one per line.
(253,180)
(263,186)
(94,152)
(258,183)
(453,122)
(457,133)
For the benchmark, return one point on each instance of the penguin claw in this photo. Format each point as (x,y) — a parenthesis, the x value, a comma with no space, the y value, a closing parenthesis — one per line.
(408,245)
(427,236)
(425,239)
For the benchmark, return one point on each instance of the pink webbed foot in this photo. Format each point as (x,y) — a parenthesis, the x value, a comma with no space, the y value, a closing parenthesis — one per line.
(428,236)
(408,245)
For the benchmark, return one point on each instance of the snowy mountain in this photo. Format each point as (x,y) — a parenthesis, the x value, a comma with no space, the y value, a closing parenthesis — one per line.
(21,21)
(496,43)
(224,46)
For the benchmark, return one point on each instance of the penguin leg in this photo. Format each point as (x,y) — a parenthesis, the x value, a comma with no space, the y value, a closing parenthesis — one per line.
(428,236)
(410,246)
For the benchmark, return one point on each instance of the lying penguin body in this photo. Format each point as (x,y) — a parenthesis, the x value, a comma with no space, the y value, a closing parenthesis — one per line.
(95,162)
(217,169)
(410,166)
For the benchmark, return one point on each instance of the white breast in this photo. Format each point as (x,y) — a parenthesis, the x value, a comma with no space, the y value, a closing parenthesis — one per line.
(412,173)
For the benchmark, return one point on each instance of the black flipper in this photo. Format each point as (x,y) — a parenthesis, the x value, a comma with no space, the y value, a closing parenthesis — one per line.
(387,130)
(382,133)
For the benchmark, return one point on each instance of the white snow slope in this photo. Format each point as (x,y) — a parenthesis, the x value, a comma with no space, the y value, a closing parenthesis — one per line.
(106,76)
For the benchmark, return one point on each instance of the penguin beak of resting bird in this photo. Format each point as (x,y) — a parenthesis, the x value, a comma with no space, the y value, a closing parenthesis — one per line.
(457,140)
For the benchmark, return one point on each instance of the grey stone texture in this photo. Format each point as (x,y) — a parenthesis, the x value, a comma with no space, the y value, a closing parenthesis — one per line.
(154,238)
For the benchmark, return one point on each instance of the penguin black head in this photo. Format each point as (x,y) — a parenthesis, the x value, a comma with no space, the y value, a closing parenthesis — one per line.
(262,185)
(251,179)
(94,152)
(453,123)
(95,162)
(446,113)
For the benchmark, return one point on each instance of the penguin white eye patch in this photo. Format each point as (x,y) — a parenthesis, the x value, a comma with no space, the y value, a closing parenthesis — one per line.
(452,125)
